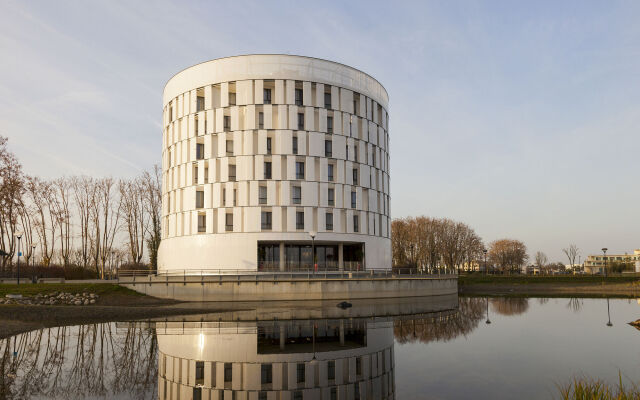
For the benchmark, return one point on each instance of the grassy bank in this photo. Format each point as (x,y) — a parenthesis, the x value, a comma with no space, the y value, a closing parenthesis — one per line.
(550,286)
(594,389)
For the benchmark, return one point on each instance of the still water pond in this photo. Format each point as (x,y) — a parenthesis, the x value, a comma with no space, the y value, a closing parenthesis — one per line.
(436,348)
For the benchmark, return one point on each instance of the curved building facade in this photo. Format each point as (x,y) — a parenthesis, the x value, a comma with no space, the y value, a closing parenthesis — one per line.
(262,152)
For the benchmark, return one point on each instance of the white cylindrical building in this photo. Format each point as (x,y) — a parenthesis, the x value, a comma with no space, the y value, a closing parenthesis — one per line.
(259,151)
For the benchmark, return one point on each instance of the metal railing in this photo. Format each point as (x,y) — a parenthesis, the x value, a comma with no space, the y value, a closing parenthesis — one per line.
(226,274)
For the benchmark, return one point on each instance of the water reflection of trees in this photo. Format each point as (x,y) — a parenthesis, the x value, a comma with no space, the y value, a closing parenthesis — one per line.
(443,326)
(73,362)
(510,305)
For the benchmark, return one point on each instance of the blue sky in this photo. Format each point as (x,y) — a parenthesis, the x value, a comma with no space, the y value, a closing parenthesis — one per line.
(518,118)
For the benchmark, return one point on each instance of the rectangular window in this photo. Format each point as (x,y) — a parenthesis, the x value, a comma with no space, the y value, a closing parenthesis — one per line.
(232,173)
(297,395)
(195,125)
(334,393)
(200,105)
(347,152)
(227,123)
(266,374)
(195,175)
(358,366)
(266,96)
(300,121)
(299,219)
(200,151)
(199,372)
(298,97)
(355,153)
(353,199)
(327,100)
(331,196)
(373,155)
(235,197)
(232,99)
(268,145)
(266,220)
(262,395)
(300,372)
(329,221)
(299,169)
(355,176)
(262,195)
(197,393)
(206,175)
(199,199)
(267,170)
(328,148)
(296,194)
(330,172)
(202,223)
(356,391)
(294,144)
(331,370)
(330,124)
(356,228)
(229,145)
(228,226)
(261,120)
(228,372)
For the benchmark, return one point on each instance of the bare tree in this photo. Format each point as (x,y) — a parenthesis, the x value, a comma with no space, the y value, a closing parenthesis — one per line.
(541,260)
(11,191)
(62,208)
(83,188)
(572,253)
(508,254)
(110,215)
(151,184)
(134,216)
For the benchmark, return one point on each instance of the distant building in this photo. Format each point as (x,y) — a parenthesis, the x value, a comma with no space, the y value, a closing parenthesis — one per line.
(595,263)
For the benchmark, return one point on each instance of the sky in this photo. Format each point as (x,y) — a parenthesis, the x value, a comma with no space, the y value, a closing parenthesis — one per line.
(520,119)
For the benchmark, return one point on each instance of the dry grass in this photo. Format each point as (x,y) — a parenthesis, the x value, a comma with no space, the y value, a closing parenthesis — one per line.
(596,389)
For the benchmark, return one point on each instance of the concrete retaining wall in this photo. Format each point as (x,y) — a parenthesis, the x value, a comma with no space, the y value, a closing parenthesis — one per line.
(315,289)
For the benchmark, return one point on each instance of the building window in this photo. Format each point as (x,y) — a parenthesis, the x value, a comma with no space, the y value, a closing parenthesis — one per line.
(356,390)
(206,175)
(330,172)
(262,395)
(330,124)
(329,221)
(267,170)
(227,123)
(195,175)
(334,393)
(261,120)
(346,152)
(232,173)
(300,373)
(199,199)
(299,169)
(202,223)
(195,125)
(232,99)
(355,153)
(266,96)
(355,176)
(262,195)
(297,395)
(296,194)
(298,97)
(229,145)
(228,372)
(327,100)
(331,196)
(356,228)
(266,220)
(200,151)
(328,148)
(300,121)
(268,145)
(358,366)
(200,105)
(199,372)
(228,226)
(299,219)
(197,393)
(266,374)
(331,370)
(235,197)
(353,199)
(294,144)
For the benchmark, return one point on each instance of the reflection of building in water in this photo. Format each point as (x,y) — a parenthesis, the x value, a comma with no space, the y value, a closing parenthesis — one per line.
(312,359)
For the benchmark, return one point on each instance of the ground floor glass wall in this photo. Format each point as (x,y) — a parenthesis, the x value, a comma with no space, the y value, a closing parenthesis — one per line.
(299,257)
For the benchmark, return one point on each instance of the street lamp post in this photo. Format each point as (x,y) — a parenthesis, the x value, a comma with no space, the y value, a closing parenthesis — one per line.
(604,257)
(486,271)
(313,251)
(488,321)
(19,236)
(609,324)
